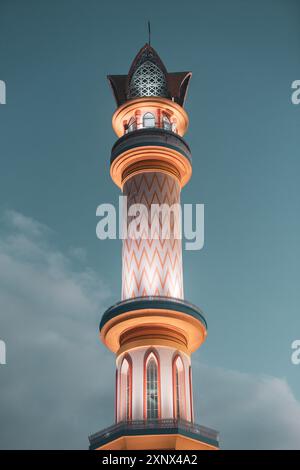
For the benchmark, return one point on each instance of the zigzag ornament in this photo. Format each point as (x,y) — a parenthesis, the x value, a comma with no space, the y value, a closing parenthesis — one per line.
(153,266)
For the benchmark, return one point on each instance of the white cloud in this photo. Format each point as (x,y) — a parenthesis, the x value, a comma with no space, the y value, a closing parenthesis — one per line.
(250,411)
(52,389)
(25,224)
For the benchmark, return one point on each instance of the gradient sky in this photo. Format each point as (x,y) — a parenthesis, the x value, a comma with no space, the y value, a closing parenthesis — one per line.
(56,278)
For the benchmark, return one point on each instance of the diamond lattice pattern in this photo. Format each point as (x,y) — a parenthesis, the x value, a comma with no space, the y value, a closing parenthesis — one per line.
(148,80)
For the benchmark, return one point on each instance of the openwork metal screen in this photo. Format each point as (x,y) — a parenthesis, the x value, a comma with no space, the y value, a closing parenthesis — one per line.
(148,80)
(152,388)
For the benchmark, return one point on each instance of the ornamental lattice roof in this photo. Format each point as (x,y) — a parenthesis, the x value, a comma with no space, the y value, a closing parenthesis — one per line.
(148,76)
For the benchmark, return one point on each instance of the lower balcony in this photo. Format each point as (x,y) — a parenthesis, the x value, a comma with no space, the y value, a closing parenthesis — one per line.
(155,434)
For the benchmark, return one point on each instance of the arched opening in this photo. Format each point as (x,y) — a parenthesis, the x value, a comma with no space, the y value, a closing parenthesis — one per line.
(191,393)
(148,120)
(116,397)
(178,389)
(166,123)
(131,125)
(152,387)
(126,390)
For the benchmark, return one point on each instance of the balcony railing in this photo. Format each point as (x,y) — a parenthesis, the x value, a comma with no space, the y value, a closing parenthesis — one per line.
(149,136)
(159,426)
(158,302)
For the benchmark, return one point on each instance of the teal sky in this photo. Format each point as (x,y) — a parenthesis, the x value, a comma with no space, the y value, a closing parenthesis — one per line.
(56,137)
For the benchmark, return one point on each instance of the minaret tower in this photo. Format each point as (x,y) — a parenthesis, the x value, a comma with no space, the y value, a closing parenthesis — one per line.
(152,331)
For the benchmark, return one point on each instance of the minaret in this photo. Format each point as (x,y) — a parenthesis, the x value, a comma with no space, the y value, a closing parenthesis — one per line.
(152,331)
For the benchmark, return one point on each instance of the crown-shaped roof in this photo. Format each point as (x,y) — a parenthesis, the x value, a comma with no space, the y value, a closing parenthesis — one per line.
(148,76)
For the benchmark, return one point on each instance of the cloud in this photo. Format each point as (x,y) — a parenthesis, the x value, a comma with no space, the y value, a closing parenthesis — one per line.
(58,384)
(250,411)
(24,224)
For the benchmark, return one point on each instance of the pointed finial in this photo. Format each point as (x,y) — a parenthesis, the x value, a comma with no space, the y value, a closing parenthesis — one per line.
(149,33)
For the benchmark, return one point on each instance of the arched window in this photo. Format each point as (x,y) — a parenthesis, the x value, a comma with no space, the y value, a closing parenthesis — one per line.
(166,123)
(178,388)
(148,120)
(191,393)
(131,125)
(116,397)
(125,389)
(152,391)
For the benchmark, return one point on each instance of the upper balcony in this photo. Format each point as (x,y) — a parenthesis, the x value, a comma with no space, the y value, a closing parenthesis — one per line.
(150,112)
(149,119)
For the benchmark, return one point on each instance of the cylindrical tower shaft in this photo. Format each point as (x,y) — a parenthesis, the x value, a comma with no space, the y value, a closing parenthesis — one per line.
(153,330)
(152,264)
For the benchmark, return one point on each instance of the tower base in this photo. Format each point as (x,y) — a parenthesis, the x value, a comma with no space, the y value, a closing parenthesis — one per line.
(166,434)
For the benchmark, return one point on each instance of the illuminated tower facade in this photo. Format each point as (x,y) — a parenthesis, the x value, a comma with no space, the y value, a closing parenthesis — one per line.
(152,331)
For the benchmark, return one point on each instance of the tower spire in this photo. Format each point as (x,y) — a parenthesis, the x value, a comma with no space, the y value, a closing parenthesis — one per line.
(149,33)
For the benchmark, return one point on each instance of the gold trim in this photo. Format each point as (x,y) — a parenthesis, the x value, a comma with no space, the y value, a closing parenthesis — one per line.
(157,441)
(152,335)
(154,331)
(193,330)
(150,158)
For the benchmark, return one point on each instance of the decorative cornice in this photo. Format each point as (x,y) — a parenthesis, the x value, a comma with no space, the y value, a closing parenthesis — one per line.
(150,150)
(182,316)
